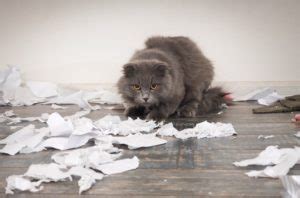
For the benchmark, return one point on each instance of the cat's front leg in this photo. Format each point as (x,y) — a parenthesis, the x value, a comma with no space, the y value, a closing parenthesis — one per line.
(135,112)
(161,112)
(189,109)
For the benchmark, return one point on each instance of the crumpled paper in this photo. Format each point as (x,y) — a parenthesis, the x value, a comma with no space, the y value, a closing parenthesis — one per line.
(264,96)
(282,159)
(201,130)
(16,93)
(292,186)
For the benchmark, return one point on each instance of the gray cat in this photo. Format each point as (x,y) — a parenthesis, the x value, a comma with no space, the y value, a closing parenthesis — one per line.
(170,76)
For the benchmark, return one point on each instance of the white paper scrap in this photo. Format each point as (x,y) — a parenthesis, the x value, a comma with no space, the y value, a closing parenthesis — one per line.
(58,126)
(298,134)
(82,126)
(107,123)
(270,99)
(292,185)
(139,140)
(74,98)
(23,96)
(55,106)
(282,159)
(20,135)
(51,172)
(86,157)
(255,95)
(18,182)
(24,145)
(42,89)
(207,130)
(104,97)
(167,130)
(119,166)
(9,113)
(265,137)
(10,79)
(87,176)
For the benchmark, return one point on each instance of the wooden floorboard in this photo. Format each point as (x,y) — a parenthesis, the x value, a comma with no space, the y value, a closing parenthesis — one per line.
(192,167)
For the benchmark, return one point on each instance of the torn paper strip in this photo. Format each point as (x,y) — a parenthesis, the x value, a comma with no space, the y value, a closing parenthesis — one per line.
(87,176)
(10,81)
(25,142)
(282,159)
(263,137)
(291,185)
(167,130)
(16,120)
(74,98)
(23,96)
(42,89)
(270,99)
(201,130)
(255,95)
(9,113)
(55,106)
(58,126)
(119,166)
(18,182)
(86,157)
(139,140)
(51,172)
(19,135)
(104,97)
(112,125)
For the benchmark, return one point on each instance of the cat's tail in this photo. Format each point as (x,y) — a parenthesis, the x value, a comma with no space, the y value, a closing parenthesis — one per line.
(214,99)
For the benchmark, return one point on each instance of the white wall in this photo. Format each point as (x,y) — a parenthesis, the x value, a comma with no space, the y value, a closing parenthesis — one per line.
(88,41)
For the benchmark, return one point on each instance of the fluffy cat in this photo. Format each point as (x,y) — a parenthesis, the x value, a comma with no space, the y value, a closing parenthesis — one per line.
(170,76)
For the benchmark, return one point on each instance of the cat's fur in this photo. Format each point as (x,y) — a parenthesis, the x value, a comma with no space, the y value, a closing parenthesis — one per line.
(182,75)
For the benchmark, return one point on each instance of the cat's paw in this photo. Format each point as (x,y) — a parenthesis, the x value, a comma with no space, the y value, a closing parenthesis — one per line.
(187,112)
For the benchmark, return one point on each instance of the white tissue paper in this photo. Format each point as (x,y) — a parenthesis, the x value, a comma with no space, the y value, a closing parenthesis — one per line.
(264,137)
(201,130)
(18,182)
(55,106)
(50,172)
(23,140)
(113,125)
(167,130)
(264,96)
(87,176)
(119,166)
(282,159)
(139,140)
(10,80)
(270,99)
(42,89)
(59,126)
(291,185)
(90,157)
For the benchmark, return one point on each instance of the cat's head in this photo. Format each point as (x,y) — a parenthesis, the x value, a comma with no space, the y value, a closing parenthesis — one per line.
(145,83)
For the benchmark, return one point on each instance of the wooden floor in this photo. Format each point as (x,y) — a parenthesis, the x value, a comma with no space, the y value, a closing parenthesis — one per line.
(179,168)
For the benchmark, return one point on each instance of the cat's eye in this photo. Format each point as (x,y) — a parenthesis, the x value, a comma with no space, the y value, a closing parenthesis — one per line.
(153,86)
(136,87)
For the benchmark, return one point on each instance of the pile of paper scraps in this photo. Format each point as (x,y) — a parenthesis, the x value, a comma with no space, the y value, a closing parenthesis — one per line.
(15,92)
(99,159)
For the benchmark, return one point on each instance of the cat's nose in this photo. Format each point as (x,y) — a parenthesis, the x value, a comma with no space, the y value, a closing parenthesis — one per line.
(146,99)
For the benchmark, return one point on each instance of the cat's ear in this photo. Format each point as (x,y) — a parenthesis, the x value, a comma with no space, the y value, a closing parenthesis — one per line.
(129,70)
(161,69)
